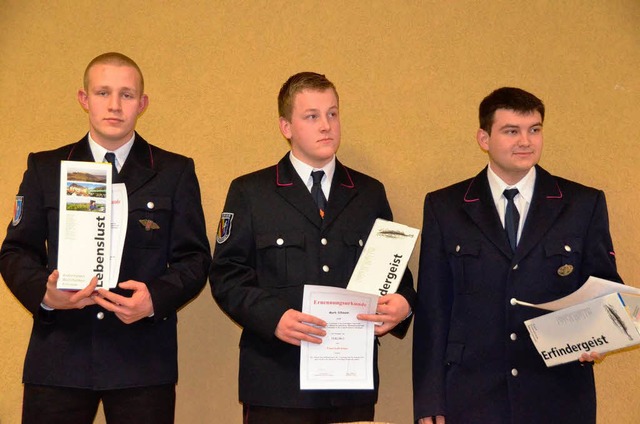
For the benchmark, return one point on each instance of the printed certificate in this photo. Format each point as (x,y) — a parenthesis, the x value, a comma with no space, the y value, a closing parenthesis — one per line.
(84,224)
(344,359)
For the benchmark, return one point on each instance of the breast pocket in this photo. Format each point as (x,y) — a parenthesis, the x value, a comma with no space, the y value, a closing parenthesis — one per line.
(354,243)
(149,225)
(281,258)
(466,266)
(51,203)
(561,271)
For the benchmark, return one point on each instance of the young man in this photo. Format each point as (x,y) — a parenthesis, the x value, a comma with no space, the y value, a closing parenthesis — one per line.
(473,360)
(274,238)
(117,346)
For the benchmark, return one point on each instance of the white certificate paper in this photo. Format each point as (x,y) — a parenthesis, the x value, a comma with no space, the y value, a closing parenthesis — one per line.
(84,224)
(344,359)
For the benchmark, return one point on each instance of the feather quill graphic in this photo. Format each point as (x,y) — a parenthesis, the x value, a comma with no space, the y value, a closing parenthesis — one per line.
(617,320)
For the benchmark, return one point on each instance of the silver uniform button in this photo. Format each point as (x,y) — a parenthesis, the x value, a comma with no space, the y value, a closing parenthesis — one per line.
(151,205)
(513,336)
(458,248)
(325,268)
(100,315)
(360,243)
(280,242)
(514,372)
(515,267)
(323,241)
(567,248)
(513,301)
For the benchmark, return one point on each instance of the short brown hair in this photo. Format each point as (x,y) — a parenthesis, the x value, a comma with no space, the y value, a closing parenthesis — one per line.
(113,58)
(297,83)
(509,98)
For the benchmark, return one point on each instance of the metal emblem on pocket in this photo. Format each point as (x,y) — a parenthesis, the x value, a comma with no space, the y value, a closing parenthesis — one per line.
(565,270)
(149,225)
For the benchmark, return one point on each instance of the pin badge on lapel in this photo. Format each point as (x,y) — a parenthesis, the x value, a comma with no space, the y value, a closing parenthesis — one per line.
(565,270)
(149,225)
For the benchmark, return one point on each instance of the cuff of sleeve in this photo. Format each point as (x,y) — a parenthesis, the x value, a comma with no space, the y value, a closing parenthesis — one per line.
(409,314)
(45,307)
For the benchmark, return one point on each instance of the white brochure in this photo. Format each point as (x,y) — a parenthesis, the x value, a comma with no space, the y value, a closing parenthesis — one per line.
(603,325)
(84,224)
(119,220)
(344,359)
(601,316)
(384,258)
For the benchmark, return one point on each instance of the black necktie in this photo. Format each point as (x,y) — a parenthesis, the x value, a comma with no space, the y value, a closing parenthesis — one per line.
(111,158)
(316,191)
(511,218)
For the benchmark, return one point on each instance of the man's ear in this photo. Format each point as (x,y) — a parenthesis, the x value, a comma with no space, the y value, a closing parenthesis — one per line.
(285,128)
(482,137)
(83,99)
(144,102)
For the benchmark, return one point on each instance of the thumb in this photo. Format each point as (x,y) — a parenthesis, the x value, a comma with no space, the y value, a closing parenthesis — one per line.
(129,285)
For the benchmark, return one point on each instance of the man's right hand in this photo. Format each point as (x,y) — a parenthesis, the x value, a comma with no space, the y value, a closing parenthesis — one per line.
(295,326)
(64,299)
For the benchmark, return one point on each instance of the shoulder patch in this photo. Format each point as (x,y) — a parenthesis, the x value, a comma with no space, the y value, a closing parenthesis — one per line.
(18,208)
(224,227)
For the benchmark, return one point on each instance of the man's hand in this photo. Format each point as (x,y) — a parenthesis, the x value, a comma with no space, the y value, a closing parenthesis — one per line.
(295,326)
(591,357)
(65,299)
(127,309)
(392,310)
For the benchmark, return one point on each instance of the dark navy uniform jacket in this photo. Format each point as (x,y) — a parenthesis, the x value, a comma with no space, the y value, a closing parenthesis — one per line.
(277,243)
(91,348)
(473,360)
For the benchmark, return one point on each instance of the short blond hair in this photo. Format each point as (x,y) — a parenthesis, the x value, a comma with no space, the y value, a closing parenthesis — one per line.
(297,83)
(113,58)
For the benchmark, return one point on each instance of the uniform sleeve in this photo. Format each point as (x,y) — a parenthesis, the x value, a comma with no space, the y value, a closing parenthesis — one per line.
(189,251)
(23,257)
(599,259)
(233,278)
(432,315)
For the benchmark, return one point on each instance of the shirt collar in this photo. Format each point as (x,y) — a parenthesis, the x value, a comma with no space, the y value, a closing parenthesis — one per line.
(304,170)
(121,152)
(525,185)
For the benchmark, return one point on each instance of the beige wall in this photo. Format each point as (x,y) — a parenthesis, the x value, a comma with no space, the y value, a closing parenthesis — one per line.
(410,76)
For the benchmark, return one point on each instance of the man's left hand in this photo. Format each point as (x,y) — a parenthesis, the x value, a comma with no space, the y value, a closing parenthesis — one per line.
(392,310)
(127,309)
